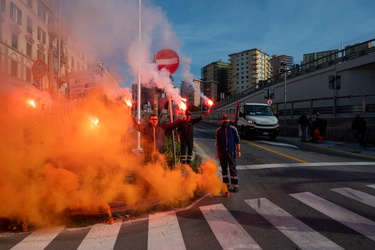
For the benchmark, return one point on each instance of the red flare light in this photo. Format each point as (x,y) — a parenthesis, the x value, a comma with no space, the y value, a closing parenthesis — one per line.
(209,103)
(31,103)
(94,121)
(128,102)
(182,104)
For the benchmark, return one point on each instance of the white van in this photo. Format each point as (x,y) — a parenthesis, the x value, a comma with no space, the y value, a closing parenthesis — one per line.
(256,119)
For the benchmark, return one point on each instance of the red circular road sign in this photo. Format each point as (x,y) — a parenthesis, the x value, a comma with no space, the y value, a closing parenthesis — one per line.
(269,101)
(39,69)
(168,59)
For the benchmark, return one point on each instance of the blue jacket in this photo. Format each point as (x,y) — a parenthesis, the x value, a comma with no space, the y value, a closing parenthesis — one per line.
(227,138)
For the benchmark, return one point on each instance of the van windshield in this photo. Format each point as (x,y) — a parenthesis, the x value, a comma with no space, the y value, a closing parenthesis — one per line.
(258,110)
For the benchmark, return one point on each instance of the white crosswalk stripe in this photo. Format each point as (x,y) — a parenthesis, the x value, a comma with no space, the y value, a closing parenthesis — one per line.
(301,234)
(39,239)
(356,195)
(165,232)
(229,233)
(101,236)
(344,216)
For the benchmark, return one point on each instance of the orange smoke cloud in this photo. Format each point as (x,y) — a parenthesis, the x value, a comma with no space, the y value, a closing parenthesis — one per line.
(81,159)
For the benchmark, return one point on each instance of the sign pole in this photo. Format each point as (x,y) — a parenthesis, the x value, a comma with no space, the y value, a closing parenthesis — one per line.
(139,74)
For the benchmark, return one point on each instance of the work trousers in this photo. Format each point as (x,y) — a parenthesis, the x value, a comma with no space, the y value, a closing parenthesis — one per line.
(186,158)
(228,159)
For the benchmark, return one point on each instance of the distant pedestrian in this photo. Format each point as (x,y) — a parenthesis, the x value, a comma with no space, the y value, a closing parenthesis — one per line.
(303,121)
(359,128)
(186,133)
(227,149)
(318,129)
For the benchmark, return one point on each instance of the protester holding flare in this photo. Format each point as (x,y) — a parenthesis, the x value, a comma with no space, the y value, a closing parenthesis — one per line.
(186,132)
(154,134)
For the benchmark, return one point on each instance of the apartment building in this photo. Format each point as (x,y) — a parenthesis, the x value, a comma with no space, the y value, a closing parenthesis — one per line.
(196,93)
(275,62)
(37,48)
(316,58)
(247,68)
(217,72)
(191,92)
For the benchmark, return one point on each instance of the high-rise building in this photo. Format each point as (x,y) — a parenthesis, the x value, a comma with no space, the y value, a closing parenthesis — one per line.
(217,72)
(247,68)
(191,92)
(197,92)
(37,48)
(316,58)
(276,60)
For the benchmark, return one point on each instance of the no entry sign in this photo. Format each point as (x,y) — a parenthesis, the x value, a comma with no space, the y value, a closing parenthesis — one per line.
(39,69)
(168,59)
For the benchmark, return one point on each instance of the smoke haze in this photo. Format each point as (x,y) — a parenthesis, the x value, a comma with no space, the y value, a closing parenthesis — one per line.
(58,156)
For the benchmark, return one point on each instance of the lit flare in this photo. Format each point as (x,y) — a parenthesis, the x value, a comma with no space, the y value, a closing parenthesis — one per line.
(209,103)
(31,103)
(128,102)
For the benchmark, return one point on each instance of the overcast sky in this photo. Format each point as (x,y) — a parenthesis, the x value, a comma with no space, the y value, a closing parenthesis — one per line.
(204,31)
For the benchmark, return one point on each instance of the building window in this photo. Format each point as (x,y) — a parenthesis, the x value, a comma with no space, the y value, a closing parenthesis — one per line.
(41,56)
(2,5)
(14,68)
(14,40)
(29,49)
(28,74)
(15,14)
(42,13)
(29,27)
(41,35)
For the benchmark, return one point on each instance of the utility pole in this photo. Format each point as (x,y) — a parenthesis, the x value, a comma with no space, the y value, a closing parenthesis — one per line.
(284,70)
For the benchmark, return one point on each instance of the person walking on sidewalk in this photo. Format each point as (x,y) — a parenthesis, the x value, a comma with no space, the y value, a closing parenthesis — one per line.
(359,127)
(303,121)
(186,133)
(227,149)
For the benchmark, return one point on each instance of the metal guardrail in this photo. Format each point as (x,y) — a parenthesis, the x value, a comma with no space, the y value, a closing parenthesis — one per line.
(341,56)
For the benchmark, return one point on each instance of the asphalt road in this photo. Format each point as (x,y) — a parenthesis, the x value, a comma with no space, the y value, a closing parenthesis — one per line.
(292,196)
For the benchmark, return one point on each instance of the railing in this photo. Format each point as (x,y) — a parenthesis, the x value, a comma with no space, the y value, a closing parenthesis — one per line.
(327,107)
(341,56)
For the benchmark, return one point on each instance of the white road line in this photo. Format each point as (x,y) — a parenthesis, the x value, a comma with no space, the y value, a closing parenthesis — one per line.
(352,220)
(164,232)
(101,236)
(229,233)
(280,144)
(301,164)
(39,239)
(371,186)
(356,195)
(298,232)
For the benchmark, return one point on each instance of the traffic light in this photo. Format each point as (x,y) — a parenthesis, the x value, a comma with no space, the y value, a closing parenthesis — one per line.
(331,82)
(338,82)
(266,93)
(334,82)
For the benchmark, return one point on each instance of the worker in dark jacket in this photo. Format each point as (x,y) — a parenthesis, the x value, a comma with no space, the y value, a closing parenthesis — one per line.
(186,133)
(153,135)
(227,149)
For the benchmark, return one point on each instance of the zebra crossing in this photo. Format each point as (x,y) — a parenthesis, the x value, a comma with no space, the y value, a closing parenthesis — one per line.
(164,230)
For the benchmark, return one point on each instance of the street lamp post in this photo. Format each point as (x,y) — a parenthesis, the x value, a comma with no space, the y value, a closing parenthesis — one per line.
(284,70)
